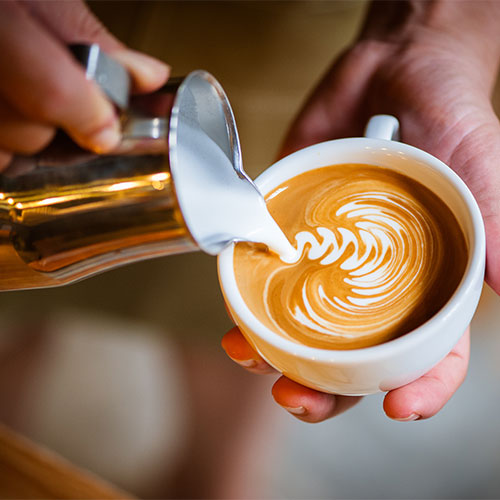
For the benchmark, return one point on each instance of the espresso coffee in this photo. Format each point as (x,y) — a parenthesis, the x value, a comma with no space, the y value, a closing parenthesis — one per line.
(377,254)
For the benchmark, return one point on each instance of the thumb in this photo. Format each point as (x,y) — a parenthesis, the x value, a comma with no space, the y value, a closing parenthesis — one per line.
(475,159)
(73,22)
(471,147)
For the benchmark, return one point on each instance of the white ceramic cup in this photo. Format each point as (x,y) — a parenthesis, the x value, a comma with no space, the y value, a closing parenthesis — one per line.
(397,362)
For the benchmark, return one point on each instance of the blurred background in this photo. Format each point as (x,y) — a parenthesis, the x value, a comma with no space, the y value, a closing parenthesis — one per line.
(123,374)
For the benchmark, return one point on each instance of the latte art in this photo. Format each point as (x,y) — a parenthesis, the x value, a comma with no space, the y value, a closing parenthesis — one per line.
(382,257)
(376,255)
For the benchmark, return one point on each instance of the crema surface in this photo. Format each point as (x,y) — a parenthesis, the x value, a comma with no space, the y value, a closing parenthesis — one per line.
(377,254)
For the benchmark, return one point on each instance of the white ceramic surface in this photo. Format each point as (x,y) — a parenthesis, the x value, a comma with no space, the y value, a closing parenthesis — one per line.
(399,361)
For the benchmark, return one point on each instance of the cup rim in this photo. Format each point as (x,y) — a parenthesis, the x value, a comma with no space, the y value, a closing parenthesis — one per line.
(475,263)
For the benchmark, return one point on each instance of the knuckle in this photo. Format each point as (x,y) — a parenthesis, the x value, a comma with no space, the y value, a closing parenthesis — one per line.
(88,27)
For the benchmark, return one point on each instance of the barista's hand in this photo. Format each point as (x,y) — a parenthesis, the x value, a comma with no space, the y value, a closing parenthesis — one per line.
(419,400)
(43,88)
(433,66)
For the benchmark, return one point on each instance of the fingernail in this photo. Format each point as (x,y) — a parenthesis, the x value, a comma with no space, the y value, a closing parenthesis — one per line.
(246,363)
(106,139)
(410,418)
(299,410)
(147,66)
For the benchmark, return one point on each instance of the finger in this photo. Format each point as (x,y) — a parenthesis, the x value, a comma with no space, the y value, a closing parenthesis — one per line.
(52,88)
(307,404)
(427,395)
(241,352)
(5,158)
(20,135)
(475,160)
(73,22)
(147,73)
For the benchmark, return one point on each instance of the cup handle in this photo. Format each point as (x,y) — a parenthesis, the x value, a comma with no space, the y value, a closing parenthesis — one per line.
(383,127)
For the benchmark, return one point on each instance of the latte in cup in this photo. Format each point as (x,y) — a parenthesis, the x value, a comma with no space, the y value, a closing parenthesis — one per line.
(377,255)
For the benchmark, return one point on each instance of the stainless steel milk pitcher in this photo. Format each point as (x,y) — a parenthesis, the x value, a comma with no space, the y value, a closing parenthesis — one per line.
(67,213)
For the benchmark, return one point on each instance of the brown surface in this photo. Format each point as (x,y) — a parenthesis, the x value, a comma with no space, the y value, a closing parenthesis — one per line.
(29,471)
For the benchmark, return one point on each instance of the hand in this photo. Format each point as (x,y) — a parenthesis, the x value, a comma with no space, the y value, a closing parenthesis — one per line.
(421,399)
(434,71)
(43,87)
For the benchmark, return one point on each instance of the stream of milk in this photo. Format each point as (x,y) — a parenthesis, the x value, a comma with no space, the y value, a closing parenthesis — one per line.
(219,203)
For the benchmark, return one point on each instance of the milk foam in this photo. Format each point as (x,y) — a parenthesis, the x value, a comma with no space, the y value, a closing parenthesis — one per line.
(368,254)
(256,224)
(219,202)
(371,257)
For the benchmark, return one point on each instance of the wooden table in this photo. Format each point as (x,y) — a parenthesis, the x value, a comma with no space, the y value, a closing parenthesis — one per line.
(28,471)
